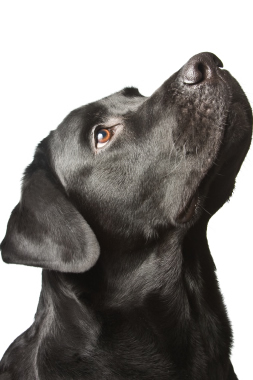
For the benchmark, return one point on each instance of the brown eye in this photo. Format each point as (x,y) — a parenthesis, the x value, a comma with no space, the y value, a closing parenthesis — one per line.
(102,137)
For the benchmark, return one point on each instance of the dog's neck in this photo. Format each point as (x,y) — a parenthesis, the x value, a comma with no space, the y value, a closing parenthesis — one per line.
(123,278)
(160,294)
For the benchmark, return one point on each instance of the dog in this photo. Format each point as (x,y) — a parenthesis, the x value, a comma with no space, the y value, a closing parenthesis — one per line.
(114,208)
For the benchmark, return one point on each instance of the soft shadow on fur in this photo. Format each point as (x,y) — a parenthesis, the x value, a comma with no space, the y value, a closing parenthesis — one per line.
(115,208)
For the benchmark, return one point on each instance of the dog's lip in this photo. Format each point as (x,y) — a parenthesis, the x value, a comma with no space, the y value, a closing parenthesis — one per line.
(189,210)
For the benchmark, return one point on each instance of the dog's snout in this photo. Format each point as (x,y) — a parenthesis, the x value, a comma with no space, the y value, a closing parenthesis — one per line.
(200,67)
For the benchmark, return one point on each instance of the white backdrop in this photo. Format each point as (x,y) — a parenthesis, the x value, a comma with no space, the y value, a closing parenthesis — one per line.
(58,55)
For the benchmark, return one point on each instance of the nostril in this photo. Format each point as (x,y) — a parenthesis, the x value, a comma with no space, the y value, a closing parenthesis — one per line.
(202,70)
(195,73)
(201,67)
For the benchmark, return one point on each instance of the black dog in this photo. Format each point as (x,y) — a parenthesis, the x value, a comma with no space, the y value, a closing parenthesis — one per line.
(115,207)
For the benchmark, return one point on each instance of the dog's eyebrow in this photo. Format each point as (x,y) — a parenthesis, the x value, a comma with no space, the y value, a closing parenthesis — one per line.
(131,92)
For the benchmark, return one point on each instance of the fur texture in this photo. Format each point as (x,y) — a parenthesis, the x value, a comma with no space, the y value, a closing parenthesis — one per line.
(129,289)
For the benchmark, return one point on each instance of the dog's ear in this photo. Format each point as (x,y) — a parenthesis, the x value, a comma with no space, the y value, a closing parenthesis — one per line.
(45,229)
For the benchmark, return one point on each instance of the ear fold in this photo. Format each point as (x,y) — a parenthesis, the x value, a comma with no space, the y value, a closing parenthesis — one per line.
(45,229)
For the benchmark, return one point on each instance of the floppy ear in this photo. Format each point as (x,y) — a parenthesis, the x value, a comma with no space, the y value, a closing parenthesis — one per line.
(45,229)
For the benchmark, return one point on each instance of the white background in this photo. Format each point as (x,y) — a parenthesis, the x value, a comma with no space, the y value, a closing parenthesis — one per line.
(58,55)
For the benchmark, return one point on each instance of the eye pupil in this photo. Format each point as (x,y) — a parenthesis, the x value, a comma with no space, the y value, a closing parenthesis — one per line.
(103,135)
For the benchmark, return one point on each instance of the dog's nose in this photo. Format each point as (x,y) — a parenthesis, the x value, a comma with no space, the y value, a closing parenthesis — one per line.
(200,67)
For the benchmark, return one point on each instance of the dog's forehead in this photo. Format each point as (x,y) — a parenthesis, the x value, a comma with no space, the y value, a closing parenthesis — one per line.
(101,111)
(128,99)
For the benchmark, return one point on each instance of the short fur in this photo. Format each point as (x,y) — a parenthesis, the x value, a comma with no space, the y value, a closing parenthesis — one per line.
(129,289)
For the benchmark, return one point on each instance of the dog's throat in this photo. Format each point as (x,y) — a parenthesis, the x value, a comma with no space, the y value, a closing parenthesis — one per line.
(189,210)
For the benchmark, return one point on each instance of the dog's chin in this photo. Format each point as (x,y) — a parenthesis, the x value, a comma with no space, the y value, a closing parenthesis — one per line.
(191,208)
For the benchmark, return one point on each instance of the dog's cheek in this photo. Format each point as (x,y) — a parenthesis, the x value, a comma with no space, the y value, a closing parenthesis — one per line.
(124,199)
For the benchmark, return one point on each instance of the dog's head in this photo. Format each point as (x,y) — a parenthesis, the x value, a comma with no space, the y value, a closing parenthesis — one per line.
(128,166)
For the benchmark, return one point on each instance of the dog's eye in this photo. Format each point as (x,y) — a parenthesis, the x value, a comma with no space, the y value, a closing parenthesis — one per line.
(103,136)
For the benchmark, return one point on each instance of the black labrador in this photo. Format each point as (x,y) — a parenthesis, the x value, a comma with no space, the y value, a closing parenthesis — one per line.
(115,207)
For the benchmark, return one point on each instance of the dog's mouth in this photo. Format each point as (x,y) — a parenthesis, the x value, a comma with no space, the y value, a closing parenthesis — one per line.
(189,211)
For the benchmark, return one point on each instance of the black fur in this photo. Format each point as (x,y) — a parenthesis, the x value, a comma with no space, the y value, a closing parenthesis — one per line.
(129,286)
